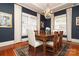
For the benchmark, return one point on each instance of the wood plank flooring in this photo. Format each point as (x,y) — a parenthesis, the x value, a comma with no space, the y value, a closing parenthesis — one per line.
(8,50)
(73,50)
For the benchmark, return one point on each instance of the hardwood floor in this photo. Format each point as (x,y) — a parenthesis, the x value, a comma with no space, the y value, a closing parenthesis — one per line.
(73,50)
(8,50)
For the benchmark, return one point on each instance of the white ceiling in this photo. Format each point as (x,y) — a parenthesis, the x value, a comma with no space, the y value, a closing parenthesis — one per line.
(41,7)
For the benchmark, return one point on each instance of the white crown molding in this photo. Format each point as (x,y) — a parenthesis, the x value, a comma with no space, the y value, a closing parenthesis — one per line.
(31,7)
(37,8)
(65,6)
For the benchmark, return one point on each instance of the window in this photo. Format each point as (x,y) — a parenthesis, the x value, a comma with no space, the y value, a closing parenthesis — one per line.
(28,22)
(24,25)
(60,23)
(32,24)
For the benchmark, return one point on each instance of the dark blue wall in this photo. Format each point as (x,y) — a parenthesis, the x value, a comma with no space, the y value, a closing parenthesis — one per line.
(75,29)
(29,11)
(7,34)
(42,18)
(60,12)
(47,22)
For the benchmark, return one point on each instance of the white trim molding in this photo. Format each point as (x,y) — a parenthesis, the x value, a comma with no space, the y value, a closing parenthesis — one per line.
(6,43)
(75,40)
(69,23)
(38,22)
(24,39)
(72,40)
(52,23)
(17,23)
(64,38)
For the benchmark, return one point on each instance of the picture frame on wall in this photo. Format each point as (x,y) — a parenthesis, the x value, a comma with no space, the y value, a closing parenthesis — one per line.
(77,21)
(5,20)
(42,24)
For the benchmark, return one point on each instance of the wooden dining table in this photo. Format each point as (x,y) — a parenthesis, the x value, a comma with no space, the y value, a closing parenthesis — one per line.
(44,38)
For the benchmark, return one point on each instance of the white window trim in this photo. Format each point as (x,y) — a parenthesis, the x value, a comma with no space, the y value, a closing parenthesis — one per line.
(29,16)
(59,16)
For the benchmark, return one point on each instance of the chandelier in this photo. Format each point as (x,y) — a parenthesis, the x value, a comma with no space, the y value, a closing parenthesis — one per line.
(47,13)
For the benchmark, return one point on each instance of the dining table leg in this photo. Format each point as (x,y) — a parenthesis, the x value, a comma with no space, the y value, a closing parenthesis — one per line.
(44,48)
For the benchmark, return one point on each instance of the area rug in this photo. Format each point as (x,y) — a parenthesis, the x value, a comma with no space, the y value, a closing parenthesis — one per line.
(22,51)
(64,50)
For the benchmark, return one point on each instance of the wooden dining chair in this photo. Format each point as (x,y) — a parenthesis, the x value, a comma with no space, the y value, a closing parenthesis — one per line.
(52,44)
(59,44)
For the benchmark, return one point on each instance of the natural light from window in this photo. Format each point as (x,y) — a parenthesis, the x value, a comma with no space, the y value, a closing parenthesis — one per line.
(60,23)
(28,22)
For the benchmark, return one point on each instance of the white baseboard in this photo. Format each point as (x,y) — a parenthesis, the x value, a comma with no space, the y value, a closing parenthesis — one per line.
(25,39)
(64,38)
(6,43)
(10,42)
(72,40)
(75,40)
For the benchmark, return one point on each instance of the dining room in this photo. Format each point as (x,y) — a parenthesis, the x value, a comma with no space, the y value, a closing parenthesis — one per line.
(39,29)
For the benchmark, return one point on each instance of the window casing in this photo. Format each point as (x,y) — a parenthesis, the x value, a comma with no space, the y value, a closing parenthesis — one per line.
(60,23)
(28,22)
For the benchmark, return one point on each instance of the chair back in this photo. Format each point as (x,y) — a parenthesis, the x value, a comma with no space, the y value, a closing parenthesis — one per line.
(60,37)
(61,34)
(55,39)
(55,36)
(31,37)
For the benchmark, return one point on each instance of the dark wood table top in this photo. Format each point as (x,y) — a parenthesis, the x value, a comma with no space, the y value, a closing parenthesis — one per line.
(43,36)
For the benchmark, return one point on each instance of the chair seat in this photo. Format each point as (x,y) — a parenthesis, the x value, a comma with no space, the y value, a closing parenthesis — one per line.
(38,43)
(50,43)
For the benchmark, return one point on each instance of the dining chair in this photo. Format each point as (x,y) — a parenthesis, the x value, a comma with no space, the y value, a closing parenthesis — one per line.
(52,44)
(60,43)
(32,40)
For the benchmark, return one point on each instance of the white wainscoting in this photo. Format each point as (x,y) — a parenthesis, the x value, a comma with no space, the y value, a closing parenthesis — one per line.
(6,43)
(72,40)
(75,40)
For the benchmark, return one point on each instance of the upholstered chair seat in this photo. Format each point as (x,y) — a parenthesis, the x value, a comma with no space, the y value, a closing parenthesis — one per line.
(50,43)
(32,40)
(38,43)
